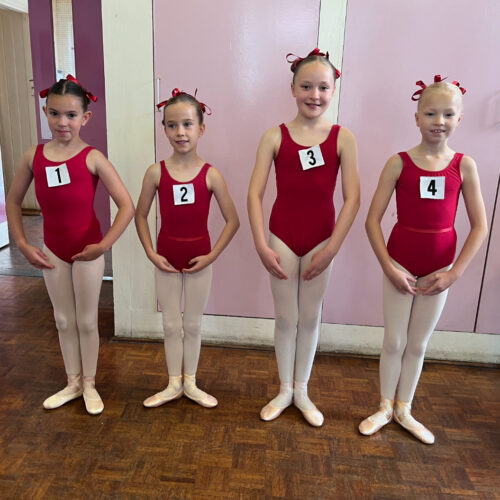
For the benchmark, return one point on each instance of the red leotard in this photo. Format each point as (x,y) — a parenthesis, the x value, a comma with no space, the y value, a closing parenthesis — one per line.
(424,238)
(69,220)
(303,214)
(183,234)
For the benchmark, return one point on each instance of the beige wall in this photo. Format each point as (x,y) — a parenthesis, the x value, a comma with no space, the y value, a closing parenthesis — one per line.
(17,105)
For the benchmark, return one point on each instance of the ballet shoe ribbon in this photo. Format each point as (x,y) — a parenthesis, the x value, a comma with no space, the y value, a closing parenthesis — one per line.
(314,52)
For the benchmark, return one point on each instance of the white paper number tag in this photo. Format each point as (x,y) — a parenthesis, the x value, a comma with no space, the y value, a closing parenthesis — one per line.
(183,194)
(57,176)
(312,157)
(432,187)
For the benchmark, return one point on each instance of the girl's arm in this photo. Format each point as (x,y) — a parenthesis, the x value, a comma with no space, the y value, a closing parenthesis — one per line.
(476,212)
(216,184)
(386,185)
(149,188)
(99,165)
(348,155)
(266,152)
(20,184)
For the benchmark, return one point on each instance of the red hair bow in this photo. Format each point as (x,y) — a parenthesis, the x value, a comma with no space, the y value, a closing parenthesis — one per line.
(314,52)
(176,92)
(437,78)
(71,78)
(462,89)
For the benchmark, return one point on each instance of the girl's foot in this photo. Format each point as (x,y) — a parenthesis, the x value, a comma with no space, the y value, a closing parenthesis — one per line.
(376,421)
(197,395)
(93,402)
(402,415)
(72,391)
(301,400)
(173,391)
(275,407)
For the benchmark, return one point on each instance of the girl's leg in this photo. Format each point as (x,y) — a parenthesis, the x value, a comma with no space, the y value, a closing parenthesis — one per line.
(397,310)
(286,311)
(169,293)
(196,292)
(87,282)
(311,295)
(425,314)
(60,289)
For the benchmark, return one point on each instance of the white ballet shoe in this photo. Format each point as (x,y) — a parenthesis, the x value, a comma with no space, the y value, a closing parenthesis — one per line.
(375,422)
(160,398)
(72,391)
(93,402)
(402,415)
(62,397)
(308,409)
(196,394)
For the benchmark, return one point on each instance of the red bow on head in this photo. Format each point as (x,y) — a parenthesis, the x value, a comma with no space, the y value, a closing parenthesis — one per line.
(314,52)
(176,92)
(437,78)
(71,78)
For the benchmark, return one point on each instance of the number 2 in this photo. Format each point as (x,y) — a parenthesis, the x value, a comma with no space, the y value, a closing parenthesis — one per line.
(184,191)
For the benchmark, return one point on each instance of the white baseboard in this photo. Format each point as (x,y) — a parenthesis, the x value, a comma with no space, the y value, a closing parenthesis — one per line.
(348,339)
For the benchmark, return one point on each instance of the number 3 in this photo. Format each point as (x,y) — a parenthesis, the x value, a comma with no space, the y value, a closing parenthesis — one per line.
(312,160)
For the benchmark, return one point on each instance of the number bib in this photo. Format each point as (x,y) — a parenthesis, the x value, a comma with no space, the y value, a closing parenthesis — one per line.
(432,187)
(311,158)
(57,176)
(183,194)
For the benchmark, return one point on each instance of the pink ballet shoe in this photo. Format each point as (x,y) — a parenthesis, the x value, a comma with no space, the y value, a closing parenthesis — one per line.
(62,397)
(270,412)
(160,398)
(197,395)
(375,422)
(313,416)
(402,415)
(93,402)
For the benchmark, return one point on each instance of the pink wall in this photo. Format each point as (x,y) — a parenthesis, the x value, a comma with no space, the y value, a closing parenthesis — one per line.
(388,46)
(234,54)
(87,29)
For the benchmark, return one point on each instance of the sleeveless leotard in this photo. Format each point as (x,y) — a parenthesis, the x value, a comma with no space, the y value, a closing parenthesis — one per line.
(424,238)
(183,233)
(69,219)
(303,214)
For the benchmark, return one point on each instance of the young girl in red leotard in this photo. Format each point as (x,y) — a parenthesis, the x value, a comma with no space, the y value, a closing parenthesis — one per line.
(66,171)
(183,257)
(418,259)
(304,236)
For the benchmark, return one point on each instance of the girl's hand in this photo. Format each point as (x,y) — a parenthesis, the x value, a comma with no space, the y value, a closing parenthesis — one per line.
(437,282)
(198,263)
(403,282)
(36,257)
(90,252)
(319,262)
(271,261)
(162,263)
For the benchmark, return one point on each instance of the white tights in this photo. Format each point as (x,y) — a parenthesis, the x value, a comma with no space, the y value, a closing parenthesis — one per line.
(74,292)
(297,307)
(409,322)
(169,288)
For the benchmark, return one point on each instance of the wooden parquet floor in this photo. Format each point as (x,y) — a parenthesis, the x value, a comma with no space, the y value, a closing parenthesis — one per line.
(183,451)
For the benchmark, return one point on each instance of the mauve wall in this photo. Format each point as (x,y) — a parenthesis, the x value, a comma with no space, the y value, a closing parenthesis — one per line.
(87,28)
(389,45)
